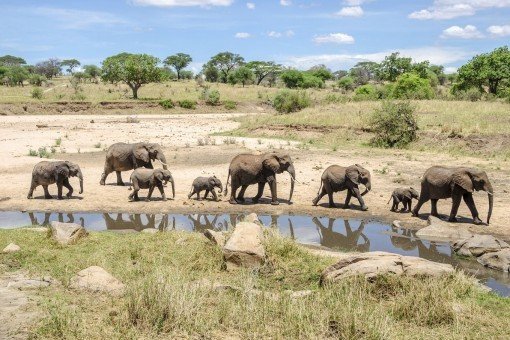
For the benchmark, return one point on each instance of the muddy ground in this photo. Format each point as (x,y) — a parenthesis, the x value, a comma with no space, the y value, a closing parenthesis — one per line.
(84,139)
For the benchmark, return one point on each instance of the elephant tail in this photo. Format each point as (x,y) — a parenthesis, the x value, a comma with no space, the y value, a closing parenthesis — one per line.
(225,192)
(390,199)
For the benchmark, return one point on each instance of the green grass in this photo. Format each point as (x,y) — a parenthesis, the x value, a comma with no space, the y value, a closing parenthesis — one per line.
(161,303)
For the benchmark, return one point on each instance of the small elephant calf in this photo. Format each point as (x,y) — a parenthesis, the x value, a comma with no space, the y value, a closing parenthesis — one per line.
(143,178)
(404,195)
(205,183)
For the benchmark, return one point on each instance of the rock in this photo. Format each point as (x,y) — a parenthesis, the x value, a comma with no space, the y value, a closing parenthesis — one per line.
(252,218)
(150,231)
(22,282)
(96,279)
(216,237)
(499,260)
(67,233)
(440,231)
(11,248)
(478,245)
(377,263)
(244,248)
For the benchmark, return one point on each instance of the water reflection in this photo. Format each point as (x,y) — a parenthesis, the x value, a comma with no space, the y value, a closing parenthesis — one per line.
(60,218)
(334,239)
(138,222)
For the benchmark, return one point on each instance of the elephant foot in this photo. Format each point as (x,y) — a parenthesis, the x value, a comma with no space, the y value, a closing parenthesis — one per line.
(30,197)
(477,221)
(164,199)
(60,198)
(232,201)
(451,219)
(240,199)
(414,213)
(48,197)
(275,203)
(101,182)
(345,206)
(147,200)
(314,202)
(255,199)
(120,184)
(69,195)
(364,208)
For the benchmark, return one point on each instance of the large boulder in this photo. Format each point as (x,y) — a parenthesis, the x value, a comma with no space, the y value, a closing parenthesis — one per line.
(67,233)
(440,231)
(244,248)
(11,248)
(478,245)
(216,237)
(499,260)
(253,218)
(96,279)
(372,264)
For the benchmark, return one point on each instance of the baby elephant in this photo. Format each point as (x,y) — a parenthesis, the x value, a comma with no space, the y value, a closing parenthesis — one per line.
(46,173)
(404,195)
(143,178)
(205,183)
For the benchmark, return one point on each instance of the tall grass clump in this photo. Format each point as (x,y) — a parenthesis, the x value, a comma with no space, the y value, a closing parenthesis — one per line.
(394,124)
(37,93)
(167,104)
(291,101)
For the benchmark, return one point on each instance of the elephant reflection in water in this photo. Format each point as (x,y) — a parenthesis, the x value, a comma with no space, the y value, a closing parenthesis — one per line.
(134,222)
(60,218)
(332,239)
(202,222)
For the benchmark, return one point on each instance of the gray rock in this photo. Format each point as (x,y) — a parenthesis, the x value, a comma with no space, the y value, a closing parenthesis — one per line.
(67,233)
(96,279)
(499,260)
(216,237)
(11,248)
(244,248)
(440,231)
(478,245)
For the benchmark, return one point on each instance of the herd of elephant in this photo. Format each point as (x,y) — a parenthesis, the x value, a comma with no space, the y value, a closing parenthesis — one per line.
(438,182)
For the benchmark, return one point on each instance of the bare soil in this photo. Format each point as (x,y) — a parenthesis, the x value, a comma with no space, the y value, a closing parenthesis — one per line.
(85,137)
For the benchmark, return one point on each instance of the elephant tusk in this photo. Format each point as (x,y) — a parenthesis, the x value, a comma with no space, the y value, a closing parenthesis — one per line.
(163,163)
(294,179)
(490,193)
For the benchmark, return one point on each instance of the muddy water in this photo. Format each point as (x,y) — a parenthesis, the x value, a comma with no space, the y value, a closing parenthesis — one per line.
(338,234)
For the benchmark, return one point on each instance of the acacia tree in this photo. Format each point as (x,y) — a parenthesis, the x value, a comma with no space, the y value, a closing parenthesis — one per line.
(225,62)
(262,69)
(364,71)
(9,60)
(393,65)
(133,69)
(71,64)
(92,70)
(178,61)
(241,75)
(49,68)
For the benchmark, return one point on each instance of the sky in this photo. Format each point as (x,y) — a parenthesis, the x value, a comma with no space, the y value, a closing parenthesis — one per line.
(296,33)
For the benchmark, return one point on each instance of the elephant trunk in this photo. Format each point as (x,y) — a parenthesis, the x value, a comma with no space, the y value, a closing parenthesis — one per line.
(292,173)
(490,194)
(80,177)
(173,187)
(368,187)
(162,159)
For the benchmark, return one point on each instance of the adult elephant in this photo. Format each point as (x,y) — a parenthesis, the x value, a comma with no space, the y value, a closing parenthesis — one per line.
(337,178)
(458,183)
(247,169)
(124,157)
(46,173)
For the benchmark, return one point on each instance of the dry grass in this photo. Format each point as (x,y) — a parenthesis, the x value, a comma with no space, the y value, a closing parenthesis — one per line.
(161,303)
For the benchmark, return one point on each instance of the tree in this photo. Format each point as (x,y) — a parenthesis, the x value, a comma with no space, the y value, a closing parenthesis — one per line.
(412,86)
(71,64)
(178,61)
(263,69)
(292,78)
(49,68)
(92,71)
(364,71)
(16,75)
(9,60)
(133,69)
(346,83)
(439,72)
(240,75)
(321,71)
(393,66)
(337,75)
(225,62)
(211,73)
(488,69)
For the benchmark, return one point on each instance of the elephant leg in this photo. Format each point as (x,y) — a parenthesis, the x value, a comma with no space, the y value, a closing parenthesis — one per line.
(119,178)
(456,198)
(272,185)
(149,195)
(421,201)
(60,184)
(191,193)
(319,196)
(162,191)
(134,195)
(206,194)
(233,186)
(360,199)
(46,192)
(215,197)
(69,187)
(259,192)
(409,205)
(107,170)
(347,199)
(433,203)
(468,199)
(33,185)
(329,191)
(240,196)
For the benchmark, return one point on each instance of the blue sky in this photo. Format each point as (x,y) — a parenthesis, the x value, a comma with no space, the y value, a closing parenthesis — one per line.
(296,33)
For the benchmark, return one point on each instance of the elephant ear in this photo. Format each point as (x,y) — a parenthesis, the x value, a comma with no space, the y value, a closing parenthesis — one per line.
(159,175)
(407,194)
(63,170)
(142,153)
(463,180)
(352,174)
(271,163)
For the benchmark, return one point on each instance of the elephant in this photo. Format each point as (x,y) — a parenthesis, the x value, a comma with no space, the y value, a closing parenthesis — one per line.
(247,169)
(404,195)
(205,183)
(123,157)
(149,179)
(46,173)
(458,183)
(337,178)
(135,222)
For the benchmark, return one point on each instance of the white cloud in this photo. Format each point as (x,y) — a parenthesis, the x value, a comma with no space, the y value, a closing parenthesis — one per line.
(183,3)
(285,2)
(499,31)
(468,32)
(354,11)
(250,5)
(355,2)
(242,35)
(448,9)
(79,19)
(337,38)
(275,34)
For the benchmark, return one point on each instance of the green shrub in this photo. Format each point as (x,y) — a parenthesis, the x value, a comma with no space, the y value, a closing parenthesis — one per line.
(187,104)
(42,152)
(230,104)
(311,81)
(37,79)
(411,86)
(212,97)
(394,124)
(346,83)
(291,101)
(167,104)
(366,92)
(292,78)
(37,93)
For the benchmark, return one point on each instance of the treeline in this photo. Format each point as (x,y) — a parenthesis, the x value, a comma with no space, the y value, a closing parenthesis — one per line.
(394,77)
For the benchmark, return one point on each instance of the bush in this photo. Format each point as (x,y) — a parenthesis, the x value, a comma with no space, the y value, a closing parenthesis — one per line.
(211,97)
(346,83)
(366,92)
(291,101)
(394,124)
(187,104)
(292,78)
(167,104)
(37,93)
(411,86)
(230,104)
(37,80)
(311,81)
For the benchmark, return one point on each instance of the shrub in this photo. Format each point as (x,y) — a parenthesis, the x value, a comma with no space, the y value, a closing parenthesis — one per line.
(167,104)
(230,104)
(187,104)
(37,79)
(212,97)
(291,101)
(346,83)
(37,93)
(411,86)
(292,78)
(311,81)
(42,152)
(394,124)
(366,92)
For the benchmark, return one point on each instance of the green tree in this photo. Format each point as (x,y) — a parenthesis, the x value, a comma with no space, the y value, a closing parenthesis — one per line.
(292,78)
(178,61)
(225,62)
(241,75)
(411,86)
(133,69)
(71,64)
(393,66)
(92,70)
(9,60)
(346,83)
(489,70)
(364,72)
(321,71)
(210,73)
(263,69)
(16,75)
(439,72)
